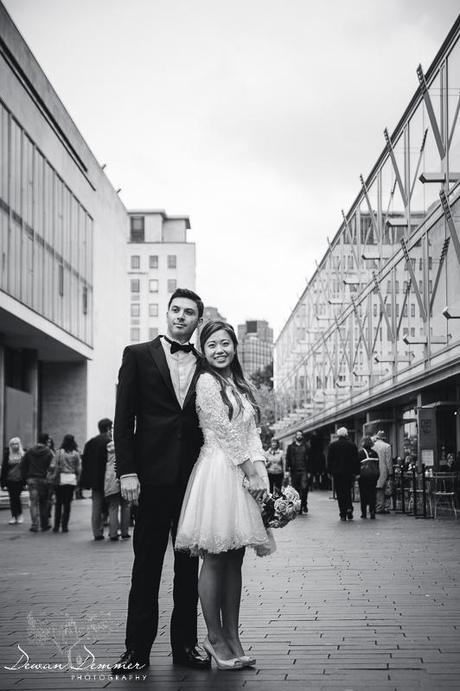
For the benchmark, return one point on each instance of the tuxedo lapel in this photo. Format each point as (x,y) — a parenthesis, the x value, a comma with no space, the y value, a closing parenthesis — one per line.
(159,357)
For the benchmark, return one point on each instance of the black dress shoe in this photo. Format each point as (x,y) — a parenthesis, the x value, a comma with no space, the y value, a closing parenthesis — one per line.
(192,657)
(129,662)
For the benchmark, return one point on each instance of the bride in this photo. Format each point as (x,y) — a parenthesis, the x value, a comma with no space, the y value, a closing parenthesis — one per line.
(220,515)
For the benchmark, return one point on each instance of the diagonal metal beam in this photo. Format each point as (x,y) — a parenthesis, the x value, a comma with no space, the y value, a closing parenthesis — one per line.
(420,156)
(377,329)
(371,211)
(360,327)
(402,191)
(350,237)
(414,280)
(445,247)
(454,122)
(431,113)
(401,316)
(344,345)
(383,306)
(450,223)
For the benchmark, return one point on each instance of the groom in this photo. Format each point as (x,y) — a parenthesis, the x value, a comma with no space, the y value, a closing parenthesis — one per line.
(157,441)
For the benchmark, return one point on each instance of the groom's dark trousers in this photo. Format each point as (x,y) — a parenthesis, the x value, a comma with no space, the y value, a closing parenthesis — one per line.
(158,514)
(159,440)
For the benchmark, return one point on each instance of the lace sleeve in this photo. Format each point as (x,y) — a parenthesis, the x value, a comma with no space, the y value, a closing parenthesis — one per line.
(213,415)
(255,445)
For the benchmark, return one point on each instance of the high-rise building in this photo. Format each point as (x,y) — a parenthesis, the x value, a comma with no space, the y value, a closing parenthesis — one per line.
(255,345)
(63,307)
(160,259)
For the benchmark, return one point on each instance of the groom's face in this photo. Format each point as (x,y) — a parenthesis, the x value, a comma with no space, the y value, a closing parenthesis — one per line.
(182,318)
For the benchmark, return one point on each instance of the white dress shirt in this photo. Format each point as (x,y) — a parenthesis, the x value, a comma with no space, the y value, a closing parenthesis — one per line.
(181,367)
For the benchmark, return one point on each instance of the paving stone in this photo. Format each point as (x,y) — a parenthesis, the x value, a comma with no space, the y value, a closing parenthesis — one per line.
(338,606)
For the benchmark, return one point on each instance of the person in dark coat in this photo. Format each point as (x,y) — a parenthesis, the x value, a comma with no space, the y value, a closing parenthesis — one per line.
(157,441)
(369,474)
(343,465)
(298,465)
(34,468)
(94,461)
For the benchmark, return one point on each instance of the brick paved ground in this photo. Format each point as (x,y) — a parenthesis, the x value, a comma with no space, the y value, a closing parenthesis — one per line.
(356,605)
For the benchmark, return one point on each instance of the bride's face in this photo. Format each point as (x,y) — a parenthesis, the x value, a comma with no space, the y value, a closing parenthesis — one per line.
(219,350)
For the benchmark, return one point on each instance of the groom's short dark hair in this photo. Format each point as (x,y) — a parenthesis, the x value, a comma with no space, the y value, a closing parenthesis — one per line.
(186,293)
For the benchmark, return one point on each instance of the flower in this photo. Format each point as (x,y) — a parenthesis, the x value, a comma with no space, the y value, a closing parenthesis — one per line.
(280,508)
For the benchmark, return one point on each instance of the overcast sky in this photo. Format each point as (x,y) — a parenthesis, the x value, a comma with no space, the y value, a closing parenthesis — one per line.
(253,117)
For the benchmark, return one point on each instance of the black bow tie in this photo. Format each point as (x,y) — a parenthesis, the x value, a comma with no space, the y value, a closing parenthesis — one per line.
(175,346)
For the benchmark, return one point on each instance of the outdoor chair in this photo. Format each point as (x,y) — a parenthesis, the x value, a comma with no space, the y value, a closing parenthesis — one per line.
(443,491)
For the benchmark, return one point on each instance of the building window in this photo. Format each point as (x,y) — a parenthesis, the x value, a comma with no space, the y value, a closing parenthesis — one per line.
(412,332)
(61,280)
(172,285)
(135,285)
(137,233)
(153,261)
(135,334)
(135,261)
(135,309)
(153,285)
(85,300)
(172,261)
(153,310)
(412,310)
(374,310)
(153,332)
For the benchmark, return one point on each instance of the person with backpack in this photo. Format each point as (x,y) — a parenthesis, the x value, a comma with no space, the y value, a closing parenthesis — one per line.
(368,476)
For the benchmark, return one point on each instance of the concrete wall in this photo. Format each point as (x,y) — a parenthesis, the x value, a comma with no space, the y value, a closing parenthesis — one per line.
(63,400)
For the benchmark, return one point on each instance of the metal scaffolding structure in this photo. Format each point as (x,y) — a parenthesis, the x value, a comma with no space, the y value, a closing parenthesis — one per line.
(381,313)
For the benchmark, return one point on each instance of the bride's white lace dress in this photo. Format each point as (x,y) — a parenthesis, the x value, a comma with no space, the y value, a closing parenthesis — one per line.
(218,513)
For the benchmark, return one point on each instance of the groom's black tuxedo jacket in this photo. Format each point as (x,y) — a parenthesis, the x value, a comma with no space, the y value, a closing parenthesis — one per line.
(154,437)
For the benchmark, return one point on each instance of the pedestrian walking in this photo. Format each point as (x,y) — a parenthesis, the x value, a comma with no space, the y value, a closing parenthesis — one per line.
(67,465)
(157,441)
(219,516)
(34,468)
(94,461)
(385,472)
(11,478)
(274,461)
(298,467)
(343,465)
(119,509)
(368,476)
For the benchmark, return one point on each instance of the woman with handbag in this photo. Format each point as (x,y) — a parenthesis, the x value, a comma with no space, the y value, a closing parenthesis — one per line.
(67,465)
(369,474)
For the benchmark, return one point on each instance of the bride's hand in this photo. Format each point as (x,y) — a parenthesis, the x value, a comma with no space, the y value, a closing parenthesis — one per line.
(256,487)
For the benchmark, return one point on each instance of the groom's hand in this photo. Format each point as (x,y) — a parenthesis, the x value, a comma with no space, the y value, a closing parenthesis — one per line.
(130,487)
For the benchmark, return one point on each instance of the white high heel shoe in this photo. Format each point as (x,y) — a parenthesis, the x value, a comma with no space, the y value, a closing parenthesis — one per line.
(233,663)
(247,660)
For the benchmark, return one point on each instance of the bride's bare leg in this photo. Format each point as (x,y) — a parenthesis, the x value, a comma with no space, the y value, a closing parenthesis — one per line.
(210,590)
(231,598)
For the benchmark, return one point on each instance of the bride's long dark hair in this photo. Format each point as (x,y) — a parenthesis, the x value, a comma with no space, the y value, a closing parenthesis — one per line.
(242,387)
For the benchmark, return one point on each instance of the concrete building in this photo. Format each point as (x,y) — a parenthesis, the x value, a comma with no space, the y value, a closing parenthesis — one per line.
(160,259)
(374,341)
(63,307)
(255,345)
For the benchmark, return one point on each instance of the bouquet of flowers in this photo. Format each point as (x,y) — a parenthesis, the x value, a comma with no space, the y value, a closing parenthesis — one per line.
(279,508)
